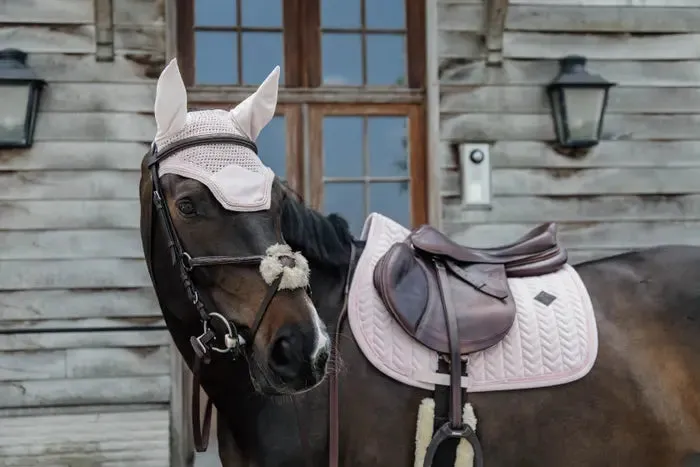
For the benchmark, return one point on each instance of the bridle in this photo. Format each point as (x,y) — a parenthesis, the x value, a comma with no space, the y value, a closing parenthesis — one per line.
(219,335)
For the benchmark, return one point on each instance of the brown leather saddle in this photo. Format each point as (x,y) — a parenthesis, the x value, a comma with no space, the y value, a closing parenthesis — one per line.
(456,300)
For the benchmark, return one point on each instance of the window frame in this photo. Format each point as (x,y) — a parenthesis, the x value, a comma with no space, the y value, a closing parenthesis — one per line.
(416,144)
(303,100)
(301,25)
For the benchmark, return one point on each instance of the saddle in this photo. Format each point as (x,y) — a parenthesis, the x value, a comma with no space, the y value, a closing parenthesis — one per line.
(455,299)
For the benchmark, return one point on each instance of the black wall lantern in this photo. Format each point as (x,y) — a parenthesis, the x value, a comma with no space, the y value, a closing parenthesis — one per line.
(20,93)
(578,100)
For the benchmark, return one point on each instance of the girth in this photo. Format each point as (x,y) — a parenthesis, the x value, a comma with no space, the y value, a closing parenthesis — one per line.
(219,334)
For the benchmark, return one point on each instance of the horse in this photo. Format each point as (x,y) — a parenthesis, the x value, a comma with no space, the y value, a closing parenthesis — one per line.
(639,404)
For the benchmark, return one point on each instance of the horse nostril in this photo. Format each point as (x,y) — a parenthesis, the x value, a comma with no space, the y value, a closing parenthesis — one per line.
(281,354)
(321,361)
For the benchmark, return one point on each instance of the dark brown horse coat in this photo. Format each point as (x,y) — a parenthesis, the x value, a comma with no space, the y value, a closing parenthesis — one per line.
(639,406)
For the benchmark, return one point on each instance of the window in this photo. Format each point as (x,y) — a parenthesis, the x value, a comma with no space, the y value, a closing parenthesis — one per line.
(350,121)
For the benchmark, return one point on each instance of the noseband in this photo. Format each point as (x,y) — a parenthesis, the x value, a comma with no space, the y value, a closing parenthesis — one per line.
(216,329)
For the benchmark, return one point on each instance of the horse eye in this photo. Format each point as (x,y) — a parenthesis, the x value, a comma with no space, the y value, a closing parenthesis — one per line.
(186,207)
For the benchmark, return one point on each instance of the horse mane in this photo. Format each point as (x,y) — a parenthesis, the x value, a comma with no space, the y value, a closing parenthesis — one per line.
(323,240)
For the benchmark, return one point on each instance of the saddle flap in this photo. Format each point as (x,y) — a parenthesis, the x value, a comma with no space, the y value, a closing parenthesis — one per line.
(408,286)
(486,277)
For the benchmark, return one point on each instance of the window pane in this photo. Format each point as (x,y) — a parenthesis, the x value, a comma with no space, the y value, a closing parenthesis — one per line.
(341,13)
(386,59)
(342,146)
(387,138)
(392,200)
(342,59)
(272,146)
(346,199)
(216,57)
(262,51)
(261,13)
(214,12)
(386,14)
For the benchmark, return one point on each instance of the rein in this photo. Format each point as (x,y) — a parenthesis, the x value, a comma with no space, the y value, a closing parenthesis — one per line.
(333,390)
(219,335)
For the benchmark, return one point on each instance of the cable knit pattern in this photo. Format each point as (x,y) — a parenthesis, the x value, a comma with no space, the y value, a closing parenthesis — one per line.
(546,346)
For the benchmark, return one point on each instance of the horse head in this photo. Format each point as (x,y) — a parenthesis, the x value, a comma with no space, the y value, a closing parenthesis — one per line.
(211,230)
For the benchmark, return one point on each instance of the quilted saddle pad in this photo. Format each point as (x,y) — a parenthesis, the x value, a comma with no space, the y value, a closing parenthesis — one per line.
(554,339)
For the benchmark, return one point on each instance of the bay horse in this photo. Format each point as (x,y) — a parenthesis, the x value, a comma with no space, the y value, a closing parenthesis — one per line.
(638,406)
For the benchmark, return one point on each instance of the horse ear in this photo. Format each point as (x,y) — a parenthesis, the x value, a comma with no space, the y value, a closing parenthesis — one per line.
(257,110)
(171,101)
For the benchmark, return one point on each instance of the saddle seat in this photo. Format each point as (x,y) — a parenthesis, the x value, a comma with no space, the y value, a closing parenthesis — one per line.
(535,253)
(429,280)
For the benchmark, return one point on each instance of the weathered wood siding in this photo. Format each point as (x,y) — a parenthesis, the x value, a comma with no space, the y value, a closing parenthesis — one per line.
(79,324)
(640,186)
(105,439)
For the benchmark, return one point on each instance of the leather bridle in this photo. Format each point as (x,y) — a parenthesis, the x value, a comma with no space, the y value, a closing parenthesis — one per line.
(219,335)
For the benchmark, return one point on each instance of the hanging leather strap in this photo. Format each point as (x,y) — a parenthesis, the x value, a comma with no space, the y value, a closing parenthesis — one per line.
(333,390)
(199,431)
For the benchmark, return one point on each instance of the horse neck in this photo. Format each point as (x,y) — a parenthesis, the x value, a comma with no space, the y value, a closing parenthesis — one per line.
(329,289)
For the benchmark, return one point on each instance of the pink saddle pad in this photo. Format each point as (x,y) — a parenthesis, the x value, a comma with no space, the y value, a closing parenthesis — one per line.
(554,339)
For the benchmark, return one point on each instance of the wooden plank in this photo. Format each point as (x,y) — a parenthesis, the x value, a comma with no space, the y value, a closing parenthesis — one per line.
(95,126)
(574,182)
(55,39)
(84,214)
(108,439)
(533,99)
(591,208)
(46,305)
(62,325)
(82,68)
(540,72)
(29,393)
(594,3)
(75,155)
(76,340)
(587,19)
(99,97)
(80,39)
(21,366)
(57,185)
(458,2)
(458,44)
(139,39)
(139,13)
(460,17)
(47,11)
(601,47)
(75,274)
(70,244)
(51,12)
(512,127)
(118,362)
(537,154)
(592,235)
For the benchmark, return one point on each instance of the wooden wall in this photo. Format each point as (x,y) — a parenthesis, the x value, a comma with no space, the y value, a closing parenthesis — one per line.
(640,186)
(84,356)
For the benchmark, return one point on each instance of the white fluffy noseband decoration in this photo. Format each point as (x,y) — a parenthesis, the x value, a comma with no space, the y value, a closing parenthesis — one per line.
(294,271)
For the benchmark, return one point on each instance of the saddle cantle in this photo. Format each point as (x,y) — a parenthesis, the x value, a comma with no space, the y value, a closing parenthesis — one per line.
(474,290)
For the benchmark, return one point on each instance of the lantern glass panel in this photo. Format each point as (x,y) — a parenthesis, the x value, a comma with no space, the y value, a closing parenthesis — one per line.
(13,112)
(584,110)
